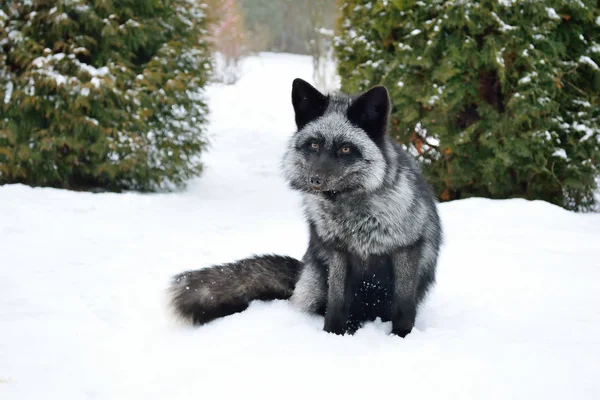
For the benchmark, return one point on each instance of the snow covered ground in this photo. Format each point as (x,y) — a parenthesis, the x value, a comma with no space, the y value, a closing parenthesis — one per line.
(515,313)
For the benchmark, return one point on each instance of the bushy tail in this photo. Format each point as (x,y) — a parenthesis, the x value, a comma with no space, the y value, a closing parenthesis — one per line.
(203,295)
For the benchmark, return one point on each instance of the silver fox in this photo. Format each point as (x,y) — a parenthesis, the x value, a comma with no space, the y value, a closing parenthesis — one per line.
(374,228)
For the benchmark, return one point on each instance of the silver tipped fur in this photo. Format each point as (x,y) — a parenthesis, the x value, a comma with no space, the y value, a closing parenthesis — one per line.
(202,295)
(375,232)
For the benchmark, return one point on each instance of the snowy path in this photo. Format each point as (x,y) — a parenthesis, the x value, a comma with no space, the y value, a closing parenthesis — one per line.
(515,314)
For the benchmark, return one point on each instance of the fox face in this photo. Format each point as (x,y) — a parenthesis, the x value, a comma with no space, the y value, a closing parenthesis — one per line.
(339,146)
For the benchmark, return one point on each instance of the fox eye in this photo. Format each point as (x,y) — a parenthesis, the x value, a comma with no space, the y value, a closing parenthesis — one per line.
(314,145)
(345,150)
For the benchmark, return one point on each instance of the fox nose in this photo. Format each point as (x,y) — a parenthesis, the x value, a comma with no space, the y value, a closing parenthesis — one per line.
(316,182)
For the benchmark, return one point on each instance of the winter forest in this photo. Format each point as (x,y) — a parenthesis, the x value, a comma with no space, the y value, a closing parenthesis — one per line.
(143,138)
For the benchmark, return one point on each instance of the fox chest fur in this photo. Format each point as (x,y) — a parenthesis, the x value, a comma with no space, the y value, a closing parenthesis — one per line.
(367,225)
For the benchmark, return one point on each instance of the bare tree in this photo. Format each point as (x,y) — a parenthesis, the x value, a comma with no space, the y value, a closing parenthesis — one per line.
(318,24)
(228,37)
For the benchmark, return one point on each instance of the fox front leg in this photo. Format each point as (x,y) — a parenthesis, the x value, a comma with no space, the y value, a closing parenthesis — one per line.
(338,298)
(404,303)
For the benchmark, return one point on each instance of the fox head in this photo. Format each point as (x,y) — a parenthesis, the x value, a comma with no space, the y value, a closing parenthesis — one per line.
(339,145)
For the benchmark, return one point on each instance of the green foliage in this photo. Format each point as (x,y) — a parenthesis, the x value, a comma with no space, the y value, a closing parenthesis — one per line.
(496,98)
(102,94)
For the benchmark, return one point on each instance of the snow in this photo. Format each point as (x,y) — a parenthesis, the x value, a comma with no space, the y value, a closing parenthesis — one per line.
(504,27)
(132,23)
(326,32)
(514,314)
(527,78)
(500,57)
(93,71)
(404,47)
(45,66)
(506,3)
(560,153)
(552,13)
(582,103)
(96,82)
(544,100)
(589,132)
(3,17)
(58,78)
(15,36)
(589,61)
(8,89)
(61,17)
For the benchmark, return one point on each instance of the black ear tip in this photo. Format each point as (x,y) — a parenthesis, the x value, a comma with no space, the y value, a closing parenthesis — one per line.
(380,91)
(300,87)
(299,82)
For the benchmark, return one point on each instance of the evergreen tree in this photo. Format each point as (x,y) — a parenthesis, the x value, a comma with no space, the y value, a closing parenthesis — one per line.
(496,98)
(102,94)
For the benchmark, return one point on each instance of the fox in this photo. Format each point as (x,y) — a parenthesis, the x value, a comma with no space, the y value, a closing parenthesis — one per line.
(374,228)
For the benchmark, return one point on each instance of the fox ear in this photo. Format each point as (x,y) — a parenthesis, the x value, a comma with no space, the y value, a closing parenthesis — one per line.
(308,102)
(370,111)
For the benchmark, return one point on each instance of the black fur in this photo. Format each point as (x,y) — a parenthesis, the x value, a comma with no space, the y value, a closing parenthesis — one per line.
(308,102)
(370,112)
(369,287)
(229,288)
